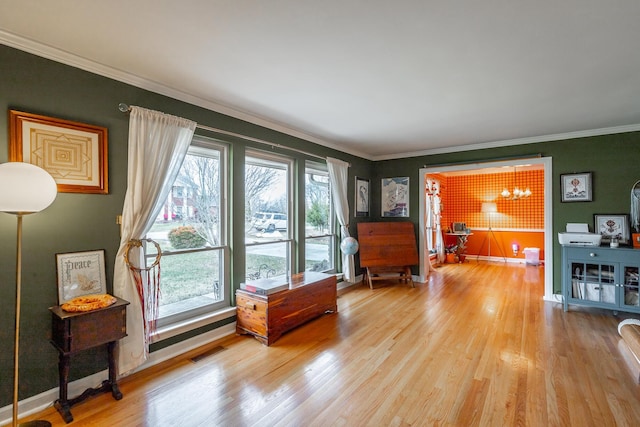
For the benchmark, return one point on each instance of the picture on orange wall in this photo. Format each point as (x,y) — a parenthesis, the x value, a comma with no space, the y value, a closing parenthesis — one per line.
(576,187)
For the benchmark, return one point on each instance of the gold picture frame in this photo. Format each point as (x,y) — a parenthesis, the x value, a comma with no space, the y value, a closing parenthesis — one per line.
(75,154)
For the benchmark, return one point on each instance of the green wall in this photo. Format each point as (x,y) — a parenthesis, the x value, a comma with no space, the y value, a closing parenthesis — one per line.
(613,159)
(77,222)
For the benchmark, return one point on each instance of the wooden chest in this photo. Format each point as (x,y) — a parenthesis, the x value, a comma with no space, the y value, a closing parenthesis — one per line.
(267,317)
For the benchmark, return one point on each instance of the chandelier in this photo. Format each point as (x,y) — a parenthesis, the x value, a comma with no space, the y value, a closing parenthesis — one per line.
(517,193)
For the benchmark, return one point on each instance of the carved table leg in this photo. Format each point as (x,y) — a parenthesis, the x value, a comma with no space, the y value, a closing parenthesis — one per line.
(113,380)
(62,404)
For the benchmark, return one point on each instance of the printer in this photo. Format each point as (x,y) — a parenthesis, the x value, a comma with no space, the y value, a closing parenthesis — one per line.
(578,234)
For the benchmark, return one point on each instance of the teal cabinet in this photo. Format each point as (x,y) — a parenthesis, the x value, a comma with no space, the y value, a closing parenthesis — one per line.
(601,277)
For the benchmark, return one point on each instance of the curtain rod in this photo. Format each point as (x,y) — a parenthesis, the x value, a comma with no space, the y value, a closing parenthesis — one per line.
(126,109)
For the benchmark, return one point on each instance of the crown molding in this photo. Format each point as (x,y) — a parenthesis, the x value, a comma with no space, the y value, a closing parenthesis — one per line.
(67,58)
(516,141)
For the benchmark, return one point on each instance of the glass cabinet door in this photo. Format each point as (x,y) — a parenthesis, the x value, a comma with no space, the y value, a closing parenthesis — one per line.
(594,282)
(630,287)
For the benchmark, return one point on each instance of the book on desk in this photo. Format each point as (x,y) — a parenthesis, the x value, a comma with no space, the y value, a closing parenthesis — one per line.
(266,286)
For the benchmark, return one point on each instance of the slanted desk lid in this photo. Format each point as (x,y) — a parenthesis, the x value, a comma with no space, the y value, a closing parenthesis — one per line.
(577,228)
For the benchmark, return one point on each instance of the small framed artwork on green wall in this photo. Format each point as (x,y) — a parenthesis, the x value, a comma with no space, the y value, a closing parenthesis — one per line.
(395,197)
(362,197)
(576,187)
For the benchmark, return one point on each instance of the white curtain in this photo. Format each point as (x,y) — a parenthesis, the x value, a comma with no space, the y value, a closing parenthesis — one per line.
(437,213)
(433,211)
(158,144)
(430,221)
(339,175)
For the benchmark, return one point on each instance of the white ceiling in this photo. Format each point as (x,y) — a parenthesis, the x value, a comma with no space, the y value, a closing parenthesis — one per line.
(379,79)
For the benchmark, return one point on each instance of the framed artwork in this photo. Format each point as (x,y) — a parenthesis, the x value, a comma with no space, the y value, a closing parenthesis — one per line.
(75,154)
(362,197)
(576,187)
(80,273)
(612,227)
(395,197)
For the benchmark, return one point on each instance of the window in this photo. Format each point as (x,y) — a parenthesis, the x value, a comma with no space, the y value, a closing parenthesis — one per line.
(268,221)
(320,236)
(191,232)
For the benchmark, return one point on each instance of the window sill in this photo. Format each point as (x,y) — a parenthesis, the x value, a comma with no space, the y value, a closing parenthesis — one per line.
(193,323)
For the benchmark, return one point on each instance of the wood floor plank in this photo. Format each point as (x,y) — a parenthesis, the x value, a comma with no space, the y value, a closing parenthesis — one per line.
(475,345)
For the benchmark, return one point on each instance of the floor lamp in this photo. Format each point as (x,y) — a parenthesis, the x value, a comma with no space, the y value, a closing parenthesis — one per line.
(490,208)
(25,189)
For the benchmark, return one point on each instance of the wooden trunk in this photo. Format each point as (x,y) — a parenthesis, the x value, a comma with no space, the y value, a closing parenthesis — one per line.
(267,317)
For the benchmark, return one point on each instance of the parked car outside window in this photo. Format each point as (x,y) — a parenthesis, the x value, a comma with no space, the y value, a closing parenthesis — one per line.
(270,221)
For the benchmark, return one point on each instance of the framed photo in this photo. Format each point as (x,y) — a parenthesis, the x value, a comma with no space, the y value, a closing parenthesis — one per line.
(395,197)
(612,226)
(75,154)
(576,187)
(362,197)
(80,273)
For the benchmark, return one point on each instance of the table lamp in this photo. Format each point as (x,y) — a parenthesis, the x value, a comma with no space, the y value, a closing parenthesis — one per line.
(24,189)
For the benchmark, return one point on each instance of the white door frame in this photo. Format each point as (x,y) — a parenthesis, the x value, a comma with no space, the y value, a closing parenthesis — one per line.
(548,209)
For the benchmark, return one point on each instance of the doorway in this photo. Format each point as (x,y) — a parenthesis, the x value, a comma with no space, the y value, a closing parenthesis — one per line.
(543,162)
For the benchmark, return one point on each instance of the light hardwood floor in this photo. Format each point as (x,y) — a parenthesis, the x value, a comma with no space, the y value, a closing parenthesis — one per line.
(476,345)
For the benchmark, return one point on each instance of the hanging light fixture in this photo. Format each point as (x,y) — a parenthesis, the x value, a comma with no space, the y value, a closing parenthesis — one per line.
(517,193)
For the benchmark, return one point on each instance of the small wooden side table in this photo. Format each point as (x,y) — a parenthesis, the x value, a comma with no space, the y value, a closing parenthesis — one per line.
(75,332)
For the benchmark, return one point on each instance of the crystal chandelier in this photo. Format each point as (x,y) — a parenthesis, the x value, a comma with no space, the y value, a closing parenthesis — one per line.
(517,193)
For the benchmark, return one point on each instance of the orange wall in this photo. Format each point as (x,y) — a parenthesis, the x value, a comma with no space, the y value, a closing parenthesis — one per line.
(501,243)
(517,221)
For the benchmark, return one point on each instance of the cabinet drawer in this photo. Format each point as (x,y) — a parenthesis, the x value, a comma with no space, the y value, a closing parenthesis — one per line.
(594,254)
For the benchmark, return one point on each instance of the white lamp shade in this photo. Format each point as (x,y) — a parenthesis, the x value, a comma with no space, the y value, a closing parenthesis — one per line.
(489,207)
(25,188)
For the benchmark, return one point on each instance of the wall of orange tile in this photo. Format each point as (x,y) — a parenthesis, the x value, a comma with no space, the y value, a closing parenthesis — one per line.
(516,221)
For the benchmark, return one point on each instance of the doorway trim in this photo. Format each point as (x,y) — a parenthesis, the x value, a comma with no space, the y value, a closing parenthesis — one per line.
(546,162)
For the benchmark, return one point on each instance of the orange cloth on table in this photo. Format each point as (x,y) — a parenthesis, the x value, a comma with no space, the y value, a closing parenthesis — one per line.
(88,303)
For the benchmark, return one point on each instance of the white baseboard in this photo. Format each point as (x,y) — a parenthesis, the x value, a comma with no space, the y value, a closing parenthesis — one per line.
(344,285)
(554,298)
(45,399)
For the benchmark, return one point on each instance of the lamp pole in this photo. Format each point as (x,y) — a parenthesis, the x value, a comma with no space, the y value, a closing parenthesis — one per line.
(27,189)
(16,342)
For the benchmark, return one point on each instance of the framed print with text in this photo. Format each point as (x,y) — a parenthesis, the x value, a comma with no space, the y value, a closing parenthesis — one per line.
(79,274)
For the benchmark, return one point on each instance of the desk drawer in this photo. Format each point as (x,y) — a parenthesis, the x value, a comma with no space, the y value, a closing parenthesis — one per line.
(89,329)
